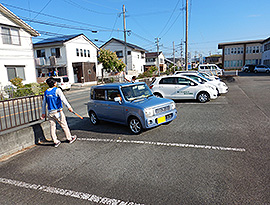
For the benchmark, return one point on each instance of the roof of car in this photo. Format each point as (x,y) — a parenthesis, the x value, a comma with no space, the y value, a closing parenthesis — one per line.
(115,85)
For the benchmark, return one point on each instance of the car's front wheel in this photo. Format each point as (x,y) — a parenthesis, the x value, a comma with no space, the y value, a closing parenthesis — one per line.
(93,118)
(158,95)
(135,125)
(203,97)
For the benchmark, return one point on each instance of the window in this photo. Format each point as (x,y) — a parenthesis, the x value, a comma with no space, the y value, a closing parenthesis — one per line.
(183,81)
(77,52)
(129,52)
(55,52)
(84,51)
(119,54)
(99,94)
(15,72)
(41,53)
(10,36)
(88,51)
(81,51)
(111,94)
(170,80)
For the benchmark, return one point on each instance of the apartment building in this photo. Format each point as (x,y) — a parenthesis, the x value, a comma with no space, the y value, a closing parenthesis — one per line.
(237,54)
(266,52)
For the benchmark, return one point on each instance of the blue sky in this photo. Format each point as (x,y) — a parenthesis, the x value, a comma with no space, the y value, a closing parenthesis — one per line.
(210,21)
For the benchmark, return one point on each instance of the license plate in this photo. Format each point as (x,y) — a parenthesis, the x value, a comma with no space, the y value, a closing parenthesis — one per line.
(161,119)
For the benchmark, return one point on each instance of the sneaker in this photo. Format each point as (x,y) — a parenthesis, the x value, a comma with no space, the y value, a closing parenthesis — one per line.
(73,139)
(57,144)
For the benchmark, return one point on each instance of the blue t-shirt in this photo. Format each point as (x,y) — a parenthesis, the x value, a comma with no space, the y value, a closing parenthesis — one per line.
(54,102)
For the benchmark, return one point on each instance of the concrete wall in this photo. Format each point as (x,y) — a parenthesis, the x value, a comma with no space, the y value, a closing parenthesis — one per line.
(16,140)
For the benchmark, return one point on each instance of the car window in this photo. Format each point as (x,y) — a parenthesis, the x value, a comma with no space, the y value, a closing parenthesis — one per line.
(183,81)
(112,93)
(169,80)
(65,79)
(136,92)
(99,94)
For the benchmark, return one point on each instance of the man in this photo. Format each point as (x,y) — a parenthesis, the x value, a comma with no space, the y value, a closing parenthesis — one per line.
(54,97)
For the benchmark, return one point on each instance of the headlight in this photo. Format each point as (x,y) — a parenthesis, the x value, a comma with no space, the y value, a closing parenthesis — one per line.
(149,112)
(173,106)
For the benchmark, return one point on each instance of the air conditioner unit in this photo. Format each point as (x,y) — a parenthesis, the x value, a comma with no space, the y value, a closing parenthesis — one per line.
(52,60)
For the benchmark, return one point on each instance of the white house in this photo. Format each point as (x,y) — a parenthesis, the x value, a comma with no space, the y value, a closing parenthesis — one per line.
(266,52)
(135,55)
(16,48)
(74,56)
(155,59)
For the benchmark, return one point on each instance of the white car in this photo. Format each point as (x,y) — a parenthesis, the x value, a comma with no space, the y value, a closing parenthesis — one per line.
(213,69)
(207,75)
(261,68)
(63,82)
(220,86)
(182,87)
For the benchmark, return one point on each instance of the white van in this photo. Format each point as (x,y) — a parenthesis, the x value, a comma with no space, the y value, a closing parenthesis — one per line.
(63,82)
(212,69)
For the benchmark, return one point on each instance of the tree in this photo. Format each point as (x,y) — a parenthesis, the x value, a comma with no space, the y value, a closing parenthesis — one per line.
(110,61)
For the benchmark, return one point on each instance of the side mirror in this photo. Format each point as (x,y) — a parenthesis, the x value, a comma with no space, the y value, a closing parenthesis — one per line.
(118,99)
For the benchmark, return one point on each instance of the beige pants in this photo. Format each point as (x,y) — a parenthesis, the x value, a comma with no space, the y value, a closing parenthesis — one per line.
(61,119)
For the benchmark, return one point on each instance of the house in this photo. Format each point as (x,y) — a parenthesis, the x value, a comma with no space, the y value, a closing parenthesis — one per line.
(155,59)
(74,56)
(16,48)
(135,55)
(236,54)
(266,52)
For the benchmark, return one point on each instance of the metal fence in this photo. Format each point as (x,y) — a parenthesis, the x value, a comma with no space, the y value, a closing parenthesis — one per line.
(20,111)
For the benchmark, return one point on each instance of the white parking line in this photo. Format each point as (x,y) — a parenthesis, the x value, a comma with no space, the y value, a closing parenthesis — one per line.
(68,193)
(166,144)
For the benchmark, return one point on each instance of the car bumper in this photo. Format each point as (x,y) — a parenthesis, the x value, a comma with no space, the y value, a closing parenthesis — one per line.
(223,90)
(160,119)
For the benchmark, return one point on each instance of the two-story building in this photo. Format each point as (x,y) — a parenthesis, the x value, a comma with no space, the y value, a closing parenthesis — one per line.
(16,48)
(266,52)
(155,59)
(236,54)
(135,55)
(74,56)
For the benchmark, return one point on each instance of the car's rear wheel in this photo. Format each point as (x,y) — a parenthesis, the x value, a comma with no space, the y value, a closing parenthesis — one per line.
(203,97)
(93,118)
(135,125)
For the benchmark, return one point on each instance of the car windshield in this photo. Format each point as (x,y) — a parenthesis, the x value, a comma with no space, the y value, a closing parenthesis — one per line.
(205,78)
(136,91)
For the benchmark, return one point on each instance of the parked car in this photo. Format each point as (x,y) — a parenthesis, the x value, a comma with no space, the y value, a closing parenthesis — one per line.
(63,82)
(261,68)
(131,104)
(248,68)
(220,86)
(207,75)
(212,69)
(182,87)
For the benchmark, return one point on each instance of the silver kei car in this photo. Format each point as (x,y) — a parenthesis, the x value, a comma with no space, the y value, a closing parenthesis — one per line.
(131,104)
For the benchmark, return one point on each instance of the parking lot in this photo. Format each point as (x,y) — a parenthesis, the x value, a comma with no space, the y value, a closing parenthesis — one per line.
(212,153)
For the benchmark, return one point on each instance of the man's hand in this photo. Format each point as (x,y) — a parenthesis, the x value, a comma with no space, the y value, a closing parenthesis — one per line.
(70,109)
(43,116)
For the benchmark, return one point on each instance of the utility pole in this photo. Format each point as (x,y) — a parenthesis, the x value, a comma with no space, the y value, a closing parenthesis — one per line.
(125,38)
(157,42)
(173,58)
(181,53)
(186,50)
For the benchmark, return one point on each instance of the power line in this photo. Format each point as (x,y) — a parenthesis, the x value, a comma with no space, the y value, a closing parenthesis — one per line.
(42,9)
(56,17)
(81,7)
(170,17)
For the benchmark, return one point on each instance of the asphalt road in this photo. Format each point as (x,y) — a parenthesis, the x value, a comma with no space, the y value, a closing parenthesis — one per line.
(213,153)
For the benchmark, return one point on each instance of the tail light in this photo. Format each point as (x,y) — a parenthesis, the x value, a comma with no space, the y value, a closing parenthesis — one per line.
(151,86)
